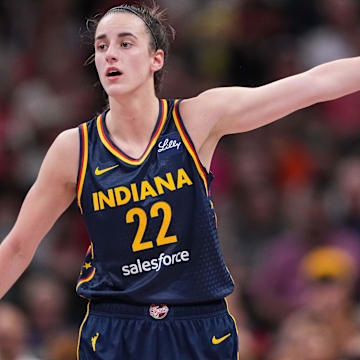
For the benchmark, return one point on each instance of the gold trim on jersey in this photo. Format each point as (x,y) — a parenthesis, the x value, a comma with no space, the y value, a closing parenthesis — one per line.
(87,279)
(189,147)
(90,248)
(80,330)
(153,140)
(83,165)
(227,309)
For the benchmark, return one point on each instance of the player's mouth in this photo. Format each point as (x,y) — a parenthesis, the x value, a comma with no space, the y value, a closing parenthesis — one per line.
(113,73)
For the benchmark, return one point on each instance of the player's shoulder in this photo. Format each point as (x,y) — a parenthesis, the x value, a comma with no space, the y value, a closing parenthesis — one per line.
(68,139)
(202,110)
(62,159)
(66,148)
(208,102)
(199,106)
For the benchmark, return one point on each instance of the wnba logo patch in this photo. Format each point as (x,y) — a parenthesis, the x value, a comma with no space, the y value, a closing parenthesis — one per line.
(158,311)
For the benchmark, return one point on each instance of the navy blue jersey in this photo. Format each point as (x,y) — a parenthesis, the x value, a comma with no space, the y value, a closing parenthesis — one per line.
(151,222)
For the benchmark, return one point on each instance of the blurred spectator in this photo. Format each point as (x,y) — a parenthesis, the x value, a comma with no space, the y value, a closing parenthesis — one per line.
(278,284)
(304,337)
(13,334)
(327,327)
(44,299)
(335,38)
(62,347)
(332,274)
(346,192)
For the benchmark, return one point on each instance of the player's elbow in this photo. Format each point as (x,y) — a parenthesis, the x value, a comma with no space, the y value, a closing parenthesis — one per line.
(322,86)
(18,247)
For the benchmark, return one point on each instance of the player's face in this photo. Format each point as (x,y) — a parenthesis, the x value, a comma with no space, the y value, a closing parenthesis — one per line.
(123,56)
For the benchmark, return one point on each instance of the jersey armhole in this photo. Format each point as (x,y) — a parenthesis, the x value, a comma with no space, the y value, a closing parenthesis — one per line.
(204,174)
(84,144)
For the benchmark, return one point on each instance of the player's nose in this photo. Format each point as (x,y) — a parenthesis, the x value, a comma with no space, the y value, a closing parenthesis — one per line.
(111,55)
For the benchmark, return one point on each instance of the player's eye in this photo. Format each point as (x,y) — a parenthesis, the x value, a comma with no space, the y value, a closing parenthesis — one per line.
(101,46)
(125,44)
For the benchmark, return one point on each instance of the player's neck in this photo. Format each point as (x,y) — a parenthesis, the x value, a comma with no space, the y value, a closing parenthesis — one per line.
(131,121)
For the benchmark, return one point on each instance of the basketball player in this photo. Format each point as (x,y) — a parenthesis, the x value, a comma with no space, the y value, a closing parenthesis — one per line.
(153,274)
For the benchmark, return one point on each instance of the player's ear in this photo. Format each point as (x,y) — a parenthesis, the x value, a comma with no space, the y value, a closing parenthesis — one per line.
(157,60)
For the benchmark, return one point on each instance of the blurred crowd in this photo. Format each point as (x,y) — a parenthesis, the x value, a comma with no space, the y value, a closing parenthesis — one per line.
(287,195)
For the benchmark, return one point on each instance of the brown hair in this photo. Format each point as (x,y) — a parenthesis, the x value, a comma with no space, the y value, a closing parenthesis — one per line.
(156,25)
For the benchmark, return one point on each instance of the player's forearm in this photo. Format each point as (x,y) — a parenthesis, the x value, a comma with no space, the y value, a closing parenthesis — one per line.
(335,79)
(13,262)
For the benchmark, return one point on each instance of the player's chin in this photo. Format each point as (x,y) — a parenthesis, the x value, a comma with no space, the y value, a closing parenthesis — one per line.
(116,90)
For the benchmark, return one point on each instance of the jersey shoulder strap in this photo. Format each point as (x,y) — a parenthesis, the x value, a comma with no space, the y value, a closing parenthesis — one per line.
(205,176)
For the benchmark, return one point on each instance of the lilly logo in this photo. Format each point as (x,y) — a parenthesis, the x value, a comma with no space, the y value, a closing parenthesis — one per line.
(168,144)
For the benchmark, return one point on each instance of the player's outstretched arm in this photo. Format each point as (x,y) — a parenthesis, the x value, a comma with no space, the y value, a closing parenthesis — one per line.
(238,109)
(51,194)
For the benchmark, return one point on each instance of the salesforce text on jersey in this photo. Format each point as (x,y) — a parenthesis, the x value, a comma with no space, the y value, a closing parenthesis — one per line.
(155,263)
